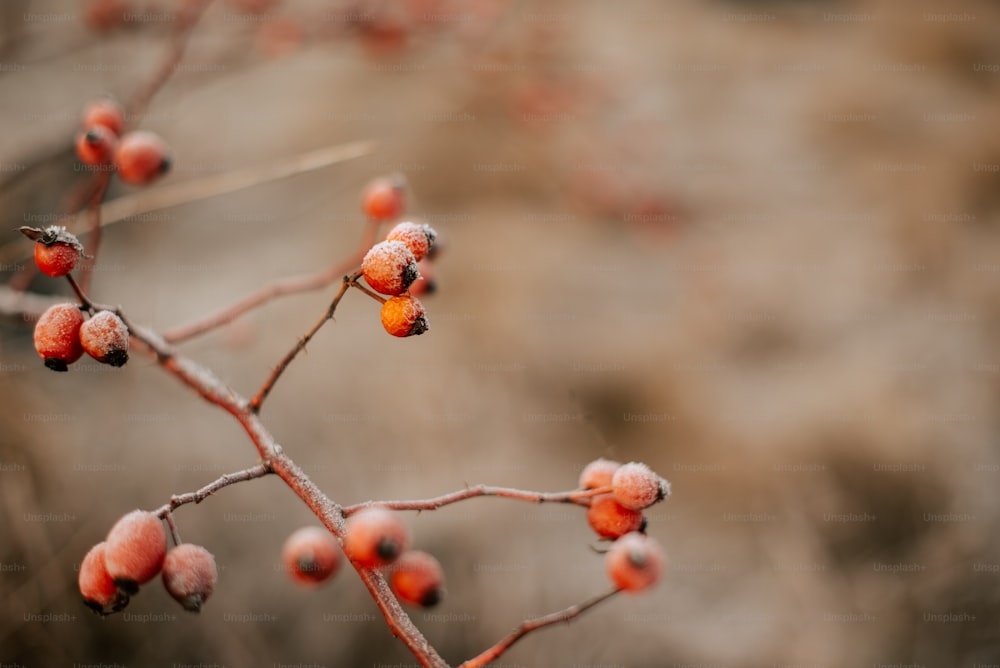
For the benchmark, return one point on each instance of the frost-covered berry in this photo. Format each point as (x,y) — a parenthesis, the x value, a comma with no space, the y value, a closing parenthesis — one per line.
(105,338)
(142,157)
(136,547)
(57,336)
(634,562)
(389,267)
(636,486)
(418,237)
(417,578)
(610,519)
(190,575)
(598,473)
(97,587)
(56,250)
(404,316)
(375,537)
(311,556)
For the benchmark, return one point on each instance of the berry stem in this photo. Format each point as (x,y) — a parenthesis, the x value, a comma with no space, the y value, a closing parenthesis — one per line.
(85,302)
(577,496)
(530,625)
(168,517)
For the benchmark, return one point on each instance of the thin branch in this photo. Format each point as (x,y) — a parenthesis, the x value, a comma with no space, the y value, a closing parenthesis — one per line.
(94,230)
(178,500)
(528,626)
(577,496)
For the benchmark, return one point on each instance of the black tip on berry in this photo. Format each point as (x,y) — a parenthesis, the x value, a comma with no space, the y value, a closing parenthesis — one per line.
(642,527)
(56,364)
(387,549)
(92,137)
(419,326)
(193,602)
(116,358)
(432,598)
(410,274)
(166,164)
(128,586)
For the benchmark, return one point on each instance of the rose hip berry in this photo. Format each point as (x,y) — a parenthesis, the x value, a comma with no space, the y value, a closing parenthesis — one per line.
(56,250)
(57,336)
(417,578)
(97,588)
(598,473)
(106,113)
(419,238)
(136,547)
(637,487)
(311,556)
(610,519)
(375,537)
(389,267)
(190,575)
(404,316)
(105,338)
(385,197)
(96,146)
(142,157)
(634,562)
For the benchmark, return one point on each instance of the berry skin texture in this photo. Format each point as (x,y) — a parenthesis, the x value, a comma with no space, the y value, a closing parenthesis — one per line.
(417,579)
(634,562)
(56,250)
(96,586)
(375,537)
(635,486)
(105,338)
(96,146)
(142,157)
(404,316)
(106,113)
(389,267)
(419,238)
(610,519)
(136,547)
(57,336)
(598,473)
(384,198)
(311,556)
(190,575)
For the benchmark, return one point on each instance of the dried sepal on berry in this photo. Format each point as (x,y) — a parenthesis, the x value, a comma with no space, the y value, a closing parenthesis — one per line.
(105,338)
(56,250)
(96,146)
(598,473)
(190,575)
(389,267)
(610,519)
(404,316)
(375,537)
(136,547)
(417,578)
(634,562)
(311,556)
(418,237)
(636,486)
(97,587)
(57,336)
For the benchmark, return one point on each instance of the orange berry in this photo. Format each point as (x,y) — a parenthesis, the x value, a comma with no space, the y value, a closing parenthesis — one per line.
(96,146)
(419,238)
(610,519)
(311,556)
(404,316)
(142,157)
(57,336)
(56,250)
(375,537)
(105,338)
(104,112)
(137,545)
(634,562)
(190,575)
(389,267)
(385,197)
(105,15)
(417,578)
(598,473)
(96,586)
(637,487)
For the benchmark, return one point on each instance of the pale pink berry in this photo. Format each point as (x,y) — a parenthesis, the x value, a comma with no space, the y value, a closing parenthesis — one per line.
(636,486)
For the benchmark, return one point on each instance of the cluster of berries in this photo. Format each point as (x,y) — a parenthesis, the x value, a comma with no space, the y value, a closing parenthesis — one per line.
(139,157)
(375,538)
(396,266)
(634,562)
(135,552)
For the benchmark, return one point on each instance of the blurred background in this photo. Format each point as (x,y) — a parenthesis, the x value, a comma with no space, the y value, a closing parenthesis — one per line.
(753,244)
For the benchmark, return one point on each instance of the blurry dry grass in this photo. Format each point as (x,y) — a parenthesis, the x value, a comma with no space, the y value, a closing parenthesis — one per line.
(774,241)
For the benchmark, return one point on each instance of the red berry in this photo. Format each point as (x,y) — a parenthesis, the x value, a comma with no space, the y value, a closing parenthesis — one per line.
(598,473)
(96,146)
(96,586)
(404,316)
(610,519)
(637,487)
(419,238)
(104,112)
(385,197)
(142,157)
(311,556)
(104,15)
(57,336)
(417,578)
(105,338)
(137,545)
(389,267)
(634,562)
(375,537)
(190,575)
(56,250)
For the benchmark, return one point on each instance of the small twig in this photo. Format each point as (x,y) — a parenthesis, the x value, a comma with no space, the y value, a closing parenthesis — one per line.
(578,496)
(176,501)
(80,294)
(174,533)
(265,389)
(528,626)
(94,230)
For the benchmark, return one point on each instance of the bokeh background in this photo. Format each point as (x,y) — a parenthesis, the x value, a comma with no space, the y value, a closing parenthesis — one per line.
(753,244)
